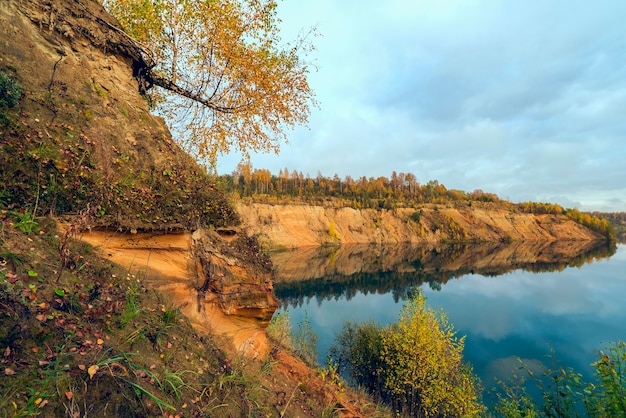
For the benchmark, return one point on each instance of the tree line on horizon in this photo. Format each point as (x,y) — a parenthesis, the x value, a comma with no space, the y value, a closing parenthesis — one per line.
(401,190)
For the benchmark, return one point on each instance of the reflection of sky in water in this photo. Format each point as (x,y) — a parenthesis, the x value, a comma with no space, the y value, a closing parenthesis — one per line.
(520,314)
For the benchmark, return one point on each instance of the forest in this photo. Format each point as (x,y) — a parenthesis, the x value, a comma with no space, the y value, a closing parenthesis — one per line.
(400,190)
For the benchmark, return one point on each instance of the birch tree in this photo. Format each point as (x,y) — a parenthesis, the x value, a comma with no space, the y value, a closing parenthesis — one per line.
(219,72)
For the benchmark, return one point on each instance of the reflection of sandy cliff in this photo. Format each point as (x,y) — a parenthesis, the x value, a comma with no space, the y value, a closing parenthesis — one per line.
(485,258)
(325,273)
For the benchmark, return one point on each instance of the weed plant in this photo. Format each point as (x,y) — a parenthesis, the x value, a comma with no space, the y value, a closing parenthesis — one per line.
(302,342)
(10,91)
(564,391)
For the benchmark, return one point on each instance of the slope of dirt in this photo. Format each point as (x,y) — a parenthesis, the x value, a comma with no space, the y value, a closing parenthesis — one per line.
(291,226)
(82,138)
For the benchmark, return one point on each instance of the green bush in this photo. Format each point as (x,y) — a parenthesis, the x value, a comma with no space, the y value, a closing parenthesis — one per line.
(10,91)
(415,365)
(357,353)
(566,394)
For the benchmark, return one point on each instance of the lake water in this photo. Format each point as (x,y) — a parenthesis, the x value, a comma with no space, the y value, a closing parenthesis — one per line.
(515,301)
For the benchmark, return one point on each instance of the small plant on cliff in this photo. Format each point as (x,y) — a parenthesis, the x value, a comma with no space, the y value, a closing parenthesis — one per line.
(10,91)
(131,310)
(26,222)
(279,329)
(305,341)
(332,231)
(302,341)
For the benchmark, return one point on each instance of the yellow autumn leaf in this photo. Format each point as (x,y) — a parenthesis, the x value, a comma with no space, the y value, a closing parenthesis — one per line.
(92,370)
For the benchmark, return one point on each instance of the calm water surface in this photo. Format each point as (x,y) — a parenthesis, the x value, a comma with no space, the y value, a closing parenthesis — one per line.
(519,310)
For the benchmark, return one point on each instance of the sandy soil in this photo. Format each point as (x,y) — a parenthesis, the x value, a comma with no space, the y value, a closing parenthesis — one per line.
(164,262)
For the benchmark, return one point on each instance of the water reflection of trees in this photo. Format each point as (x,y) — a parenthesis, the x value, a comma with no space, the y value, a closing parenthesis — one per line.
(343,273)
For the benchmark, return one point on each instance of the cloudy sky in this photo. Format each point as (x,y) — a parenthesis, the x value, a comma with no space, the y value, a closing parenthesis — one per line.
(523,99)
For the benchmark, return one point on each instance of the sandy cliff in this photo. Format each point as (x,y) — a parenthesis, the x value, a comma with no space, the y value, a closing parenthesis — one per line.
(292,226)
